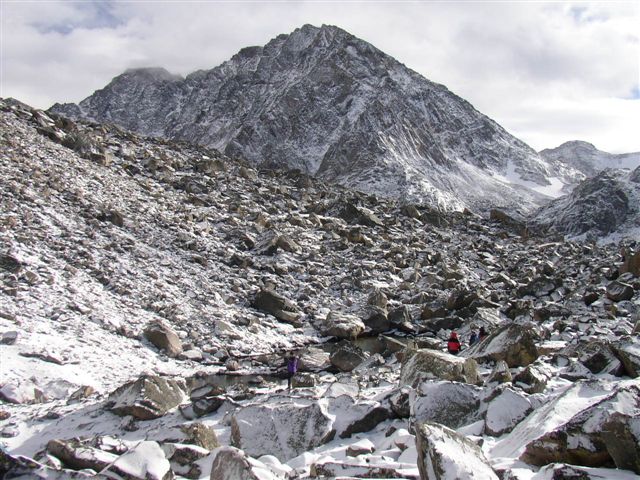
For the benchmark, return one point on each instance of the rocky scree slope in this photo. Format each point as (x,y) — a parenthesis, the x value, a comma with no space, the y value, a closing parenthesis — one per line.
(331,105)
(148,290)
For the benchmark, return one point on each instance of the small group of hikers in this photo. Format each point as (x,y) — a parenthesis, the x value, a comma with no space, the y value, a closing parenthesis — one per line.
(454,346)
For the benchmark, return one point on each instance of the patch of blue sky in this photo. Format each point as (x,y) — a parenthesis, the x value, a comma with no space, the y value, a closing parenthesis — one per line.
(582,14)
(91,15)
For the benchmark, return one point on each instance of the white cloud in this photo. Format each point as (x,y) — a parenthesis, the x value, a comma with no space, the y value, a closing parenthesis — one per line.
(548,72)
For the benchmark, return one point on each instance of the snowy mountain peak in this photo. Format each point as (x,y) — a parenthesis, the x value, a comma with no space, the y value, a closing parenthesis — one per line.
(329,104)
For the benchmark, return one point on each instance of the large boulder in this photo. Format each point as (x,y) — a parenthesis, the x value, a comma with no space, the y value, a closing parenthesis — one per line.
(230,463)
(144,461)
(353,416)
(444,454)
(432,364)
(280,307)
(451,404)
(628,351)
(79,456)
(505,411)
(341,325)
(618,291)
(163,337)
(346,356)
(513,343)
(147,398)
(283,430)
(586,425)
(534,378)
(599,357)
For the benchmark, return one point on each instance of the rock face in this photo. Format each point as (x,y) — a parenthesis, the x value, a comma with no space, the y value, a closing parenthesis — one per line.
(163,337)
(147,398)
(283,430)
(383,128)
(598,206)
(444,454)
(429,364)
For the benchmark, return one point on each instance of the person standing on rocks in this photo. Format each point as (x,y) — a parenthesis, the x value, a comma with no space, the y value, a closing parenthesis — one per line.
(473,339)
(453,344)
(482,334)
(292,367)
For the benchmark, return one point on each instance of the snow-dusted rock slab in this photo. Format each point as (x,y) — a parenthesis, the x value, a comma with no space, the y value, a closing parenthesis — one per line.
(505,411)
(451,404)
(231,463)
(145,461)
(580,441)
(444,454)
(79,456)
(147,398)
(431,364)
(353,470)
(628,350)
(515,344)
(283,430)
(355,417)
(546,435)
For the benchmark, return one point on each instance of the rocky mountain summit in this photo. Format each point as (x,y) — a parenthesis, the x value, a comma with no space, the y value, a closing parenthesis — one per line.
(150,289)
(333,106)
(576,161)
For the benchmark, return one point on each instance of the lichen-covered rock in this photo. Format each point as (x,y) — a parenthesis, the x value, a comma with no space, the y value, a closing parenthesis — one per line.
(451,404)
(444,454)
(283,430)
(231,463)
(147,398)
(346,356)
(432,364)
(513,343)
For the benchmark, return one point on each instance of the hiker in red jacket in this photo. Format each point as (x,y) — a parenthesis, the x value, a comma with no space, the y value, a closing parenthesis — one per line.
(453,344)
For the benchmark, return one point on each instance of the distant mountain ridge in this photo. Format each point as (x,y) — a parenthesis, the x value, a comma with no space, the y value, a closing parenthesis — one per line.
(576,160)
(323,101)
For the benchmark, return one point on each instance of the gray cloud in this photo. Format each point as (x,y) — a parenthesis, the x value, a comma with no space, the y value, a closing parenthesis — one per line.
(549,72)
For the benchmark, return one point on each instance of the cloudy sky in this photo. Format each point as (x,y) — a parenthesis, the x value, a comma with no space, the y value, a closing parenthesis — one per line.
(547,71)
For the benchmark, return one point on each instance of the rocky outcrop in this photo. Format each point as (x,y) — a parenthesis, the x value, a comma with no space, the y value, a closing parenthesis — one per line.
(277,305)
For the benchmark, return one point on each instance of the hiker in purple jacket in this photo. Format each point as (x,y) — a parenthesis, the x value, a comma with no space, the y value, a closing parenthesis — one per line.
(292,367)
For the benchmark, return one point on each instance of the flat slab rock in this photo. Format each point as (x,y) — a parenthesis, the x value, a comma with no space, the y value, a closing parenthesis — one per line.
(284,430)
(431,364)
(147,398)
(444,454)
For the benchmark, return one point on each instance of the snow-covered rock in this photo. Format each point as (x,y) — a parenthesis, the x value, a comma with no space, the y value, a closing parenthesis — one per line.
(444,454)
(514,344)
(505,411)
(449,403)
(283,430)
(432,364)
(146,398)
